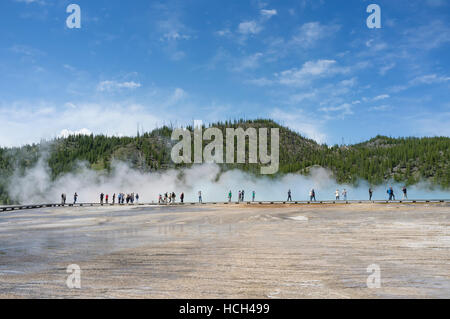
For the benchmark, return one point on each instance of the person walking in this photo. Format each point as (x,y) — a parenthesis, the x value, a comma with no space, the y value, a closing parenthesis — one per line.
(101,198)
(337,194)
(344,194)
(75,198)
(289,199)
(200,200)
(253,196)
(182,198)
(312,195)
(391,193)
(229,196)
(370,193)
(405,193)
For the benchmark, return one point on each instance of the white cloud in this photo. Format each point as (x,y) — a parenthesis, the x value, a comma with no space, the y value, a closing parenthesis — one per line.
(429,36)
(223,33)
(379,108)
(66,133)
(268,13)
(349,83)
(343,109)
(386,68)
(310,33)
(308,71)
(249,27)
(175,35)
(110,86)
(41,2)
(23,123)
(376,45)
(381,97)
(300,97)
(249,62)
(430,79)
(178,95)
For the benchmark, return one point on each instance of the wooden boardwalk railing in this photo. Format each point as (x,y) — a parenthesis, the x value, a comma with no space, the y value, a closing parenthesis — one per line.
(327,202)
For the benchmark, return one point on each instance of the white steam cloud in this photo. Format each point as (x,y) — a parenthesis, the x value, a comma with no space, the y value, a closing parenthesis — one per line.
(36,186)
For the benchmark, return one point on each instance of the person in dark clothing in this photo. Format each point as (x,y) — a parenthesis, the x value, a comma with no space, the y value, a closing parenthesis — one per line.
(289,199)
(391,193)
(370,193)
(312,195)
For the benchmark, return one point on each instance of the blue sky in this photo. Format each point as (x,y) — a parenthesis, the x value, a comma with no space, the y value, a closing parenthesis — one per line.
(314,66)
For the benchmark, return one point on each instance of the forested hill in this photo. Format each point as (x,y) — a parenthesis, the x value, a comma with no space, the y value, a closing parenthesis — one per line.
(407,160)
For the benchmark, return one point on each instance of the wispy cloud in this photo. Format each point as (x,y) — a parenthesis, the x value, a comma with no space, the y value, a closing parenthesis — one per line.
(429,36)
(249,62)
(339,111)
(381,97)
(249,27)
(309,34)
(41,2)
(111,86)
(309,71)
(171,28)
(430,79)
(268,13)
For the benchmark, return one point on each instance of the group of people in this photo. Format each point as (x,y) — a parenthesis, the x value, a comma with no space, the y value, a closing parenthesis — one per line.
(169,198)
(344,194)
(338,194)
(312,195)
(64,198)
(391,193)
(121,198)
(241,196)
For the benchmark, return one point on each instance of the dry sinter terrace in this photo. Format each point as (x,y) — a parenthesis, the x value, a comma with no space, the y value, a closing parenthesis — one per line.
(228,251)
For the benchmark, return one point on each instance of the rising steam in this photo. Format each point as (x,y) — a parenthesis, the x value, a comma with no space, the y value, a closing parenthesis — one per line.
(36,185)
